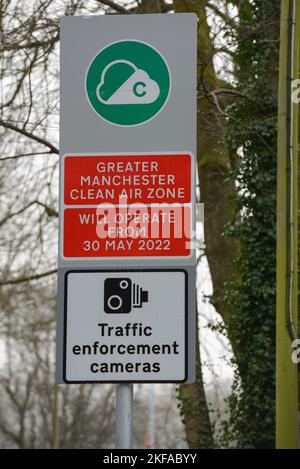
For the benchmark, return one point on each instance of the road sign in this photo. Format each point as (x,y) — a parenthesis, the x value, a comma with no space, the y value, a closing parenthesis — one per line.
(130,205)
(128,83)
(127,178)
(121,232)
(127,192)
(123,335)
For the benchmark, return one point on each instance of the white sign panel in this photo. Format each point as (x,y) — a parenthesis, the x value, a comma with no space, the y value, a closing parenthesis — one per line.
(125,326)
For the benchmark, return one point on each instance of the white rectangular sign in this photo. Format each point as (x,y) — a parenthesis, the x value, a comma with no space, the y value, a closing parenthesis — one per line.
(125,326)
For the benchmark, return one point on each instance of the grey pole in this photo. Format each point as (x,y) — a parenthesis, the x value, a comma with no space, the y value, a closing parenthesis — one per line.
(151,389)
(124,407)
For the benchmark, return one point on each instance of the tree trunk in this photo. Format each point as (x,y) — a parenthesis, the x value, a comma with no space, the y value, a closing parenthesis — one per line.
(214,165)
(213,162)
(193,408)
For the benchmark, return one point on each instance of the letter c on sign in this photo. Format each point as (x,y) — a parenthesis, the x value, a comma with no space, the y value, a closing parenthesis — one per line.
(139,89)
(94,367)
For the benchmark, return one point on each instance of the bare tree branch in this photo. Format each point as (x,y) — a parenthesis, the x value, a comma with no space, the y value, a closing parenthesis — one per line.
(30,135)
(21,155)
(49,210)
(115,6)
(230,92)
(233,92)
(227,19)
(29,45)
(223,50)
(217,104)
(29,278)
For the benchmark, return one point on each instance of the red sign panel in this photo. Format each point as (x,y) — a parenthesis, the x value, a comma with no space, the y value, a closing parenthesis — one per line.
(141,205)
(117,232)
(147,179)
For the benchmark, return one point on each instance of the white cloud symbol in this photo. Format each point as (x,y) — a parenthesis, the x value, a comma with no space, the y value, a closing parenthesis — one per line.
(139,88)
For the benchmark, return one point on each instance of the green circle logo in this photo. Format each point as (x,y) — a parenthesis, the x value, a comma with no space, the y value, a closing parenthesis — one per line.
(128,83)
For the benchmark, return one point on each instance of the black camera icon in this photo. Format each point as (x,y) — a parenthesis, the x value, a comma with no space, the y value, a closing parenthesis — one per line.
(121,295)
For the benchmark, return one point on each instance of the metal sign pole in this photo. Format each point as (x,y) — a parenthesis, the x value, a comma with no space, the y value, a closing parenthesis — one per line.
(124,413)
